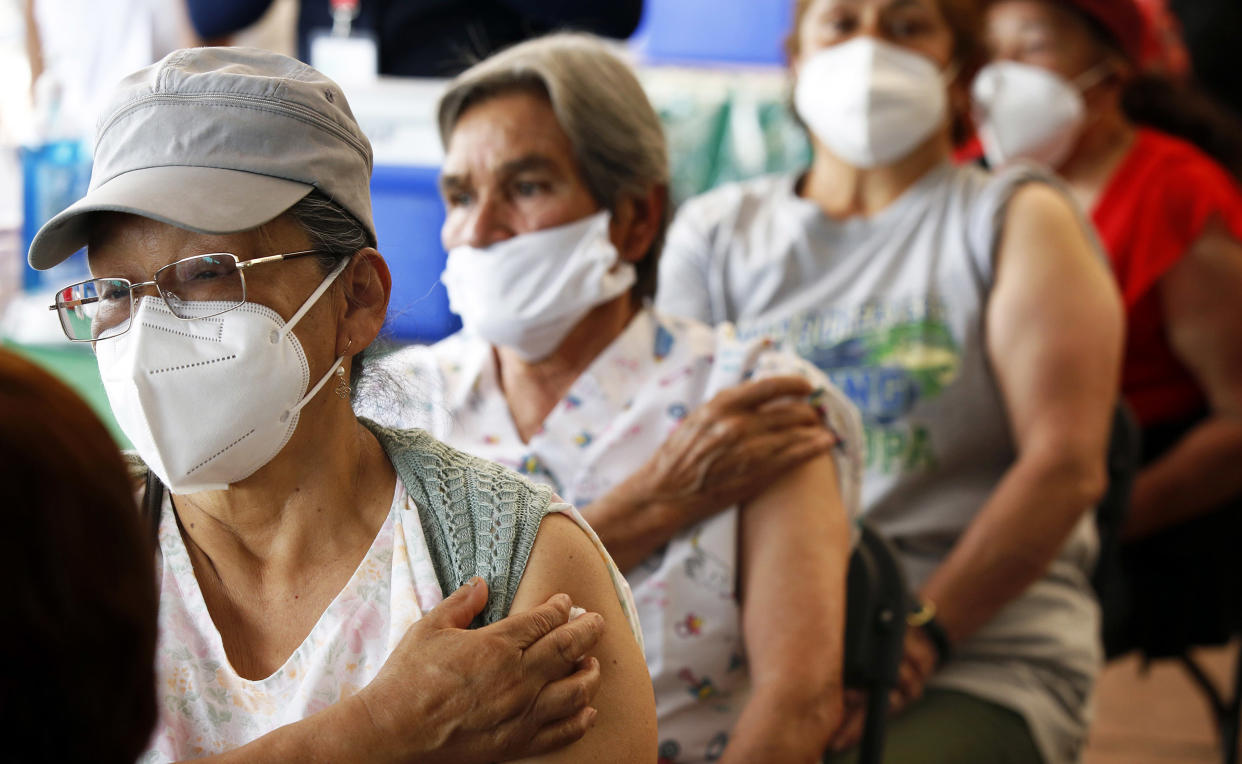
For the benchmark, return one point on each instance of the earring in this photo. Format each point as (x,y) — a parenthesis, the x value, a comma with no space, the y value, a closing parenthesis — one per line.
(342,386)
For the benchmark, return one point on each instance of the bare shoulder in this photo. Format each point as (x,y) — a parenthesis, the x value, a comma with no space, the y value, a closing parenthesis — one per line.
(1043,210)
(1045,233)
(565,560)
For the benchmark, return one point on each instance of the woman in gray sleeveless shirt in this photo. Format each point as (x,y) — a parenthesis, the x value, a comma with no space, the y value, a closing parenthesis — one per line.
(975,326)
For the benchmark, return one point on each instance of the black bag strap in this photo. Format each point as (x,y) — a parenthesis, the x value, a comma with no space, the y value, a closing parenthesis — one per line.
(153,503)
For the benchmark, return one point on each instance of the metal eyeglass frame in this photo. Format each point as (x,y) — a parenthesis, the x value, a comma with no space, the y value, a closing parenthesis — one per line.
(241,265)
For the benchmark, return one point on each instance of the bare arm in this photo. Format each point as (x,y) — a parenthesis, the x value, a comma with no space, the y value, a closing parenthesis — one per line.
(794,542)
(1202,300)
(1054,335)
(723,454)
(624,731)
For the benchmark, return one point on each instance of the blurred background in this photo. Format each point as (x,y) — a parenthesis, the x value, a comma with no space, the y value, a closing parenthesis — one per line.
(714,68)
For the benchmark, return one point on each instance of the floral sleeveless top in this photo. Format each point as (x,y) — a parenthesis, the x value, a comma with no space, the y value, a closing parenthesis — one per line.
(206,708)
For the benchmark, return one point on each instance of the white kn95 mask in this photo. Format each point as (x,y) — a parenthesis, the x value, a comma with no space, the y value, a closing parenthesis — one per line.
(207,402)
(1027,112)
(870,102)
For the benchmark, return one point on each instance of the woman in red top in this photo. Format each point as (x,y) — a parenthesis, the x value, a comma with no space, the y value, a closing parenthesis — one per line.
(1171,220)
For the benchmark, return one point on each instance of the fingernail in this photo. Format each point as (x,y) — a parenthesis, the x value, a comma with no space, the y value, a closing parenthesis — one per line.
(591,714)
(474,582)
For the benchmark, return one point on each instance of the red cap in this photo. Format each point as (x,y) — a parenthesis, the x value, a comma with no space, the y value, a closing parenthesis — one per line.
(1124,21)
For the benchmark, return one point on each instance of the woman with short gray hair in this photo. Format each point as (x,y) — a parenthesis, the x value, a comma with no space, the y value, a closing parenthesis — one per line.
(711,468)
(617,138)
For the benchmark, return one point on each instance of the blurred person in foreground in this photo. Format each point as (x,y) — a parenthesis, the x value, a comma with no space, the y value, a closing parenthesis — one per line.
(1171,221)
(317,572)
(973,322)
(723,489)
(79,626)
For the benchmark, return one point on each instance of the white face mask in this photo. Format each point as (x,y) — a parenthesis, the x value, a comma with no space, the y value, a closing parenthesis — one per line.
(208,401)
(1027,112)
(526,293)
(870,102)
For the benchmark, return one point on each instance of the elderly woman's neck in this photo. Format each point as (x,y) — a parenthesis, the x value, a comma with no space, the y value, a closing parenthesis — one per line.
(533,389)
(326,493)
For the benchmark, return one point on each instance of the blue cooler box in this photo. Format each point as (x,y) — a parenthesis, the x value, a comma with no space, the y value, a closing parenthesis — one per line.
(54,176)
(408,216)
(712,31)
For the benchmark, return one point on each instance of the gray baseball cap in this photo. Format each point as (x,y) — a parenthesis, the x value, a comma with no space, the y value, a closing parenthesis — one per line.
(218,140)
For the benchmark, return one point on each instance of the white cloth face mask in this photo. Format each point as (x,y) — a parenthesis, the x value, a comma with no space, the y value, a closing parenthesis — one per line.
(1027,112)
(526,293)
(208,401)
(870,102)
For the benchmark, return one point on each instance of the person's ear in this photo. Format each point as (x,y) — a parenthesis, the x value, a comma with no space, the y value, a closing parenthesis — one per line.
(1117,73)
(636,222)
(1122,70)
(368,285)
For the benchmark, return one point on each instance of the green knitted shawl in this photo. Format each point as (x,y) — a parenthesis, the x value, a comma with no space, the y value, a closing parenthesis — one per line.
(480,519)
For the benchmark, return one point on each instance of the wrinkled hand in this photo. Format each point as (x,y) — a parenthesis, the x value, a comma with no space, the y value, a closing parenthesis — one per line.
(732,447)
(519,687)
(917,664)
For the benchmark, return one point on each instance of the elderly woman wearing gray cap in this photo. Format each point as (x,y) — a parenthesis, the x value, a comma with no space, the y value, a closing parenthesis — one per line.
(317,572)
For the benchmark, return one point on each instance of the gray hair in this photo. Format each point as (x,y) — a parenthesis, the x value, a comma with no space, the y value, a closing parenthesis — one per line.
(332,231)
(616,135)
(337,235)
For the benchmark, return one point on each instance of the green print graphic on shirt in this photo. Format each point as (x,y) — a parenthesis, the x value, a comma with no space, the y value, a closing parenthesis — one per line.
(887,357)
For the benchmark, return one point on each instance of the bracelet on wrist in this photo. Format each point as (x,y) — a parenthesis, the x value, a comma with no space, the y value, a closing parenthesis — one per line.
(924,617)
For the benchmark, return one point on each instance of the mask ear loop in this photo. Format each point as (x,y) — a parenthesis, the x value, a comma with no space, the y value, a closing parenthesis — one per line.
(314,390)
(314,297)
(1093,76)
(306,306)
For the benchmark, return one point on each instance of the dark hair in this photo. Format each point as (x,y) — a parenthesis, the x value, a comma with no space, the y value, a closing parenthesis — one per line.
(79,628)
(1185,110)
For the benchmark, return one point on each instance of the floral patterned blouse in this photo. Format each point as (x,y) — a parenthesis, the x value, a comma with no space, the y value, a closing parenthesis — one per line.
(206,708)
(617,413)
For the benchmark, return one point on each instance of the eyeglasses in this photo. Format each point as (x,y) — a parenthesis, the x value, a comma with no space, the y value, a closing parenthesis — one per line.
(100,309)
